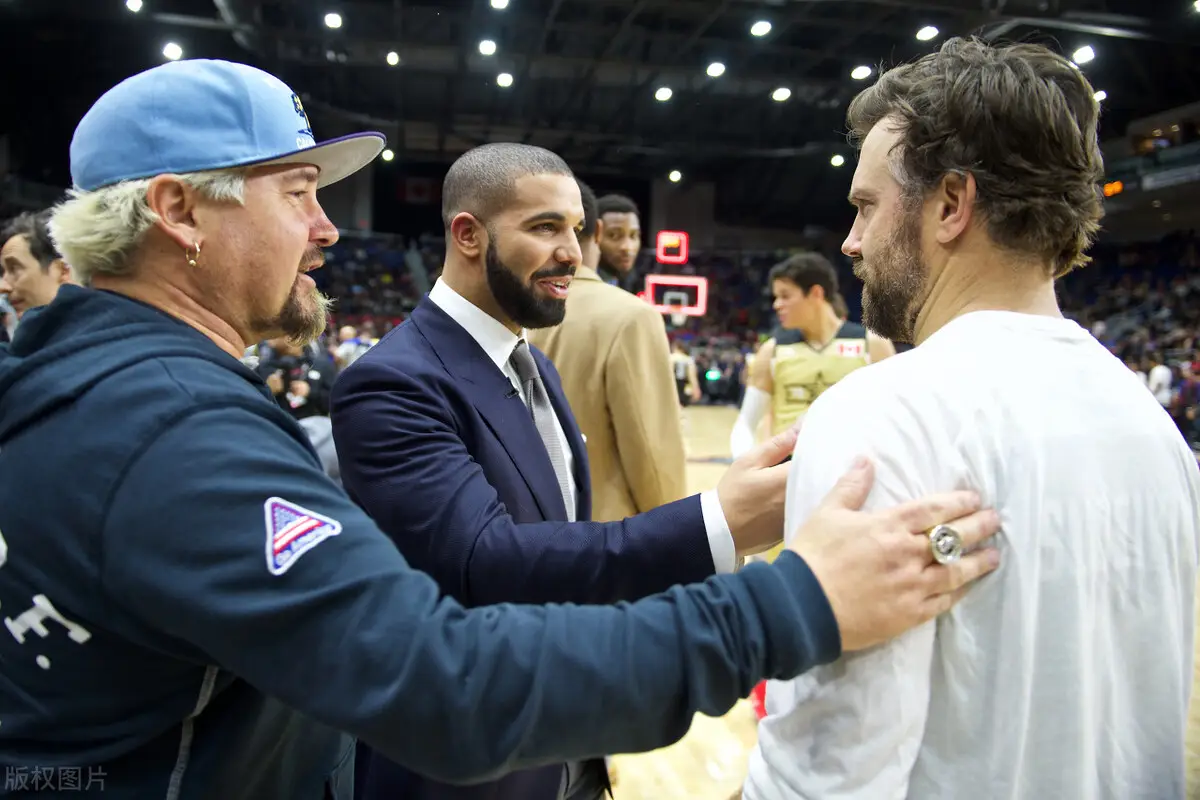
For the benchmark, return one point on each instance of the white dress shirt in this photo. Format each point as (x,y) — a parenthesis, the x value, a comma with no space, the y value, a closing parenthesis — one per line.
(498,343)
(1067,672)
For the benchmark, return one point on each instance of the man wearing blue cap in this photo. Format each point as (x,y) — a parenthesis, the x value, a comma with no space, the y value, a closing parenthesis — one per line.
(195,611)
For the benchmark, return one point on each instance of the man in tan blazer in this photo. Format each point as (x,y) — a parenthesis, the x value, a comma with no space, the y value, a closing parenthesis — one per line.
(612,353)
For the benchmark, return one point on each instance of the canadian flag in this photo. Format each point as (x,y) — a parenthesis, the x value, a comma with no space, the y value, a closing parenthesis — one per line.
(417,191)
(850,349)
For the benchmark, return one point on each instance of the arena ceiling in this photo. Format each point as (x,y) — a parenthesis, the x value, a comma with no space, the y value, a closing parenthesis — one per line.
(584,74)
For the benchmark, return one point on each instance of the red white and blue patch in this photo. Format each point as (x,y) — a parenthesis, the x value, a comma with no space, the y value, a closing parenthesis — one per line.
(292,531)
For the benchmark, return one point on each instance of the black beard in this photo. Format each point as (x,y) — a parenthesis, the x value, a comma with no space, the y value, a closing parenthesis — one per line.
(519,301)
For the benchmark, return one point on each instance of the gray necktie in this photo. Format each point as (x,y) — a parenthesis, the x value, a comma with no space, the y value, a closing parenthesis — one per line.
(534,392)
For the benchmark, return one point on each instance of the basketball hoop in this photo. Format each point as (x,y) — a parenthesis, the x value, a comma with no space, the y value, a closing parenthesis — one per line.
(677,316)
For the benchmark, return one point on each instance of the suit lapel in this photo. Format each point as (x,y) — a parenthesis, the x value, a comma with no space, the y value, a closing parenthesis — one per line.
(493,396)
(558,400)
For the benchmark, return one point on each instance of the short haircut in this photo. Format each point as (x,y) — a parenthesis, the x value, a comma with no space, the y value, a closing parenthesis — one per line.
(1020,118)
(482,180)
(807,270)
(615,204)
(33,226)
(590,212)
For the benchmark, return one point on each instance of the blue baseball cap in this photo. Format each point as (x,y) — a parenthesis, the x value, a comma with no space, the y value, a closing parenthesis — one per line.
(198,115)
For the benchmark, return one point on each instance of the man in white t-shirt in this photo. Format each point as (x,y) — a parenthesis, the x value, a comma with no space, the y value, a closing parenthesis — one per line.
(1159,380)
(1066,673)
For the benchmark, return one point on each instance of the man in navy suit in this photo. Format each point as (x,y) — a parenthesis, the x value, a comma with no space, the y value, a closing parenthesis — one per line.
(439,441)
(456,438)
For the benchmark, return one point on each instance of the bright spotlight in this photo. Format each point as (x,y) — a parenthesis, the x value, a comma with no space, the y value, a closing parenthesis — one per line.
(1102,95)
(134,5)
(716,69)
(393,58)
(499,5)
(487,47)
(762,27)
(927,33)
(663,94)
(861,73)
(1083,55)
(781,94)
(504,80)
(172,52)
(837,161)
(675,176)
(333,20)
(1196,5)
(387,155)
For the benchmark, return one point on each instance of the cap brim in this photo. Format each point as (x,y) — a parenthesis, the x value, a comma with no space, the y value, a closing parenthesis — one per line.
(336,158)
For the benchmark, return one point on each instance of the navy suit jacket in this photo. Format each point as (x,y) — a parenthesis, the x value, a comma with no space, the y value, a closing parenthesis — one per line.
(436,445)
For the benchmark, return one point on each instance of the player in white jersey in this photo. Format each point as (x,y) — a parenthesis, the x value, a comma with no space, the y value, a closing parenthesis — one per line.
(1066,673)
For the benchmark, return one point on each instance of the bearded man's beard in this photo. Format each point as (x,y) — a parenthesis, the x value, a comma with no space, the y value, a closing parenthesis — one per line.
(519,300)
(894,281)
(305,315)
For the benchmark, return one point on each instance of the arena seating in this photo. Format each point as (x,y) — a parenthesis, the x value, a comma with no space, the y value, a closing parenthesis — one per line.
(1141,300)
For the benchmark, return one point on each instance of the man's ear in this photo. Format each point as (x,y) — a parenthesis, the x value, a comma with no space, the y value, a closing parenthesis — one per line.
(61,272)
(599,231)
(954,205)
(174,203)
(468,235)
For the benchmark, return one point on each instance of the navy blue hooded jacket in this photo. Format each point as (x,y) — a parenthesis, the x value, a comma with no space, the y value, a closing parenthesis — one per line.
(195,611)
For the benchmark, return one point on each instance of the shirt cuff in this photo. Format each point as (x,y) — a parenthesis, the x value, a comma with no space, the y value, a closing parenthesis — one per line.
(720,539)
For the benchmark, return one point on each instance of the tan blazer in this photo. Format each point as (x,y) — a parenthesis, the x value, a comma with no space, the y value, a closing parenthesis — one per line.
(615,363)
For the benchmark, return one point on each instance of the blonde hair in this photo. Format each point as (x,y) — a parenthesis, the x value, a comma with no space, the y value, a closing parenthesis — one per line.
(98,231)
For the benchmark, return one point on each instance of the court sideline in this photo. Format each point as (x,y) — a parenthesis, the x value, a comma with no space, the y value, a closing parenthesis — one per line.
(709,763)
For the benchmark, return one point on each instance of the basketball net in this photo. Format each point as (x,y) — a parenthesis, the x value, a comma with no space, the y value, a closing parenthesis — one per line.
(677,316)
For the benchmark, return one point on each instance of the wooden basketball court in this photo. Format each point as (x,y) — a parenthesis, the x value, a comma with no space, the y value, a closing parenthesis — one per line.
(709,763)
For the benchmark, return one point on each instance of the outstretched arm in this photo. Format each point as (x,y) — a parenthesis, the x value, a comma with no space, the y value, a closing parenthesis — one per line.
(306,600)
(756,402)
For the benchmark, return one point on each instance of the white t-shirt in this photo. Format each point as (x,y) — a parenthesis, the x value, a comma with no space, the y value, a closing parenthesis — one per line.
(1159,381)
(1067,672)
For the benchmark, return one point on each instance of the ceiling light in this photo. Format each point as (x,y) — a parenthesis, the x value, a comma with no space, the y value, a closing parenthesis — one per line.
(675,176)
(1102,95)
(499,5)
(762,27)
(393,58)
(1083,55)
(837,161)
(861,73)
(1196,5)
(927,33)
(487,47)
(134,5)
(504,80)
(781,94)
(716,69)
(333,20)
(387,155)
(663,94)
(172,52)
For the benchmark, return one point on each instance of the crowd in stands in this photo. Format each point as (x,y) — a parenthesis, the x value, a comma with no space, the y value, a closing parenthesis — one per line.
(1140,300)
(1143,302)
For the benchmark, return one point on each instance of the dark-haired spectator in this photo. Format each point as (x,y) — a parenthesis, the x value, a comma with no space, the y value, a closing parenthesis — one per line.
(31,268)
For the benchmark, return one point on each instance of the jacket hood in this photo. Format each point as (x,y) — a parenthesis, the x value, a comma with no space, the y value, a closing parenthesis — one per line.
(62,350)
